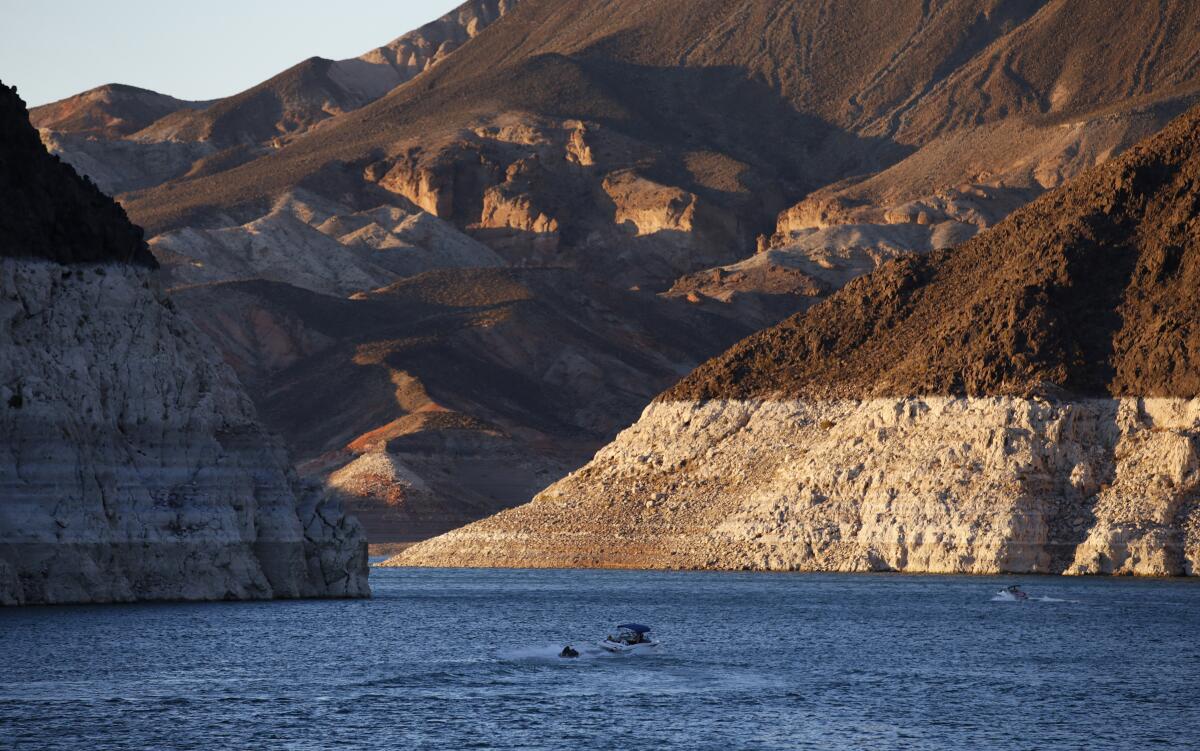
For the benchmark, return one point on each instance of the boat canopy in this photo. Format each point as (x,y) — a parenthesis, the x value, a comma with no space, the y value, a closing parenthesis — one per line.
(636,628)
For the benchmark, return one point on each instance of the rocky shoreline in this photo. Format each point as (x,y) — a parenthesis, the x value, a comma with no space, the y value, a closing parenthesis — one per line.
(935,484)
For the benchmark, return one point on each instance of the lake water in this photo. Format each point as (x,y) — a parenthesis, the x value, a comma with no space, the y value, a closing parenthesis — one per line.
(461,659)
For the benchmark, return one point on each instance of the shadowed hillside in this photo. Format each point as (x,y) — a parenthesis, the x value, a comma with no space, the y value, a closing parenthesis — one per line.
(1087,290)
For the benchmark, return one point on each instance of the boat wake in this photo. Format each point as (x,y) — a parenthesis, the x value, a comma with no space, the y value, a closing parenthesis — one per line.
(1006,597)
(553,653)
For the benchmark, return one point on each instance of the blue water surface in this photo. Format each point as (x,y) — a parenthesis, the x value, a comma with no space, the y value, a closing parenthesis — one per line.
(462,659)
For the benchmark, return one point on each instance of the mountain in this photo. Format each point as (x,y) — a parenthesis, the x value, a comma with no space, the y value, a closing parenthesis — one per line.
(938,197)
(135,467)
(661,71)
(1026,402)
(317,89)
(49,212)
(741,159)
(110,111)
(127,138)
(661,145)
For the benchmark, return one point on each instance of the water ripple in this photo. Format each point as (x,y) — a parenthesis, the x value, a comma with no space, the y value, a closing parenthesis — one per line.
(469,659)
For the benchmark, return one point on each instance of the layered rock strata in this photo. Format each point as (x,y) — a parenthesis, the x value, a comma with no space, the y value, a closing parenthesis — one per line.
(132,465)
(935,484)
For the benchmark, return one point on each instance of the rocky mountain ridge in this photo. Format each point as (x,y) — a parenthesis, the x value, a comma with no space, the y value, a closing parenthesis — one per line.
(50,212)
(127,138)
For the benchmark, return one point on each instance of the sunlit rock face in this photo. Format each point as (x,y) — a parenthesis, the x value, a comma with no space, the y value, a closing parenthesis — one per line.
(970,485)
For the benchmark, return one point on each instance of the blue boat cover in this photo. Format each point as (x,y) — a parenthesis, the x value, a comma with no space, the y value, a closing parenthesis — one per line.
(636,628)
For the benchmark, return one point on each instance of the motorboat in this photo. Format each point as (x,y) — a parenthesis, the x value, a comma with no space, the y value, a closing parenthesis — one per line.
(631,638)
(1013,592)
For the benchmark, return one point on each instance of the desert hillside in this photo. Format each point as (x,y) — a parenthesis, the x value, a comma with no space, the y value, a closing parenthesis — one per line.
(126,138)
(1026,402)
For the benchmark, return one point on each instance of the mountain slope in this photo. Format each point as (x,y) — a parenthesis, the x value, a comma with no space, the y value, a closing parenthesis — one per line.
(317,89)
(639,66)
(49,212)
(127,138)
(1026,402)
(1086,290)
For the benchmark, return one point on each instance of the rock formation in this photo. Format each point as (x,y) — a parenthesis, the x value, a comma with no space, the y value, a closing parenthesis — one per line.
(1026,402)
(133,467)
(745,159)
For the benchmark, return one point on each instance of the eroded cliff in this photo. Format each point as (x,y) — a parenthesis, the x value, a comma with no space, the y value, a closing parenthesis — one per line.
(132,465)
(935,484)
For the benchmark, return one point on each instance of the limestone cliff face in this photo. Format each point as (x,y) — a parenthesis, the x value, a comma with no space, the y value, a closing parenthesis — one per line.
(947,485)
(132,465)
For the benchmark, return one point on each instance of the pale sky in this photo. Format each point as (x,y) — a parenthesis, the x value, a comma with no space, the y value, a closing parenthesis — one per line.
(191,50)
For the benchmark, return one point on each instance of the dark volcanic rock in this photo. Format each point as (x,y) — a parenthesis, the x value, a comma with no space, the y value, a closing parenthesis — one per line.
(49,210)
(1090,289)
